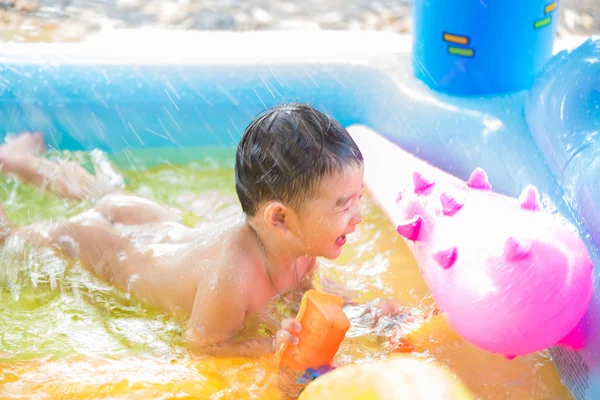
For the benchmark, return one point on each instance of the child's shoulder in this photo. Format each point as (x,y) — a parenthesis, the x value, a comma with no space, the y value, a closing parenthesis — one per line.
(234,251)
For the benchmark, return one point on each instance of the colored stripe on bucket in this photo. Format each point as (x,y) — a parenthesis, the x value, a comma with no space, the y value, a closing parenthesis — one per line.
(449,37)
(459,51)
(550,7)
(542,23)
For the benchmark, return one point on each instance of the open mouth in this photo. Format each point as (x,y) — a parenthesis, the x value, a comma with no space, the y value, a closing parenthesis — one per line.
(340,241)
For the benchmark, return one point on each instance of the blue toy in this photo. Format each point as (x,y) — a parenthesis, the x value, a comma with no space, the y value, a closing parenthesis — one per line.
(475,47)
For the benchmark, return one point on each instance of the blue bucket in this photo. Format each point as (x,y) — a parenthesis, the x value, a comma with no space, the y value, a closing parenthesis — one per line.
(479,47)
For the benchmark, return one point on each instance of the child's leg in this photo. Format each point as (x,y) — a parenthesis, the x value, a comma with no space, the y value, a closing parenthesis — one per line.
(18,156)
(93,239)
(129,209)
(88,236)
(25,143)
(67,179)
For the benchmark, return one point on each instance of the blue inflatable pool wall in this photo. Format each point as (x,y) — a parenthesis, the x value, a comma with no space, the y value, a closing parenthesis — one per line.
(192,91)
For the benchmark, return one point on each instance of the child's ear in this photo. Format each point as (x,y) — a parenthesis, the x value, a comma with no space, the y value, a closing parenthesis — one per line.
(276,217)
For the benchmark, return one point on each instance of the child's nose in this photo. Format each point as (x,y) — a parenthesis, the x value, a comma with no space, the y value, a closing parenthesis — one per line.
(357,216)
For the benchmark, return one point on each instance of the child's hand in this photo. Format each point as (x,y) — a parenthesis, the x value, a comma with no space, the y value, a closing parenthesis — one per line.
(286,334)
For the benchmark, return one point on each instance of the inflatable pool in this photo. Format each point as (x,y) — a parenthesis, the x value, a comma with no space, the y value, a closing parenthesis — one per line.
(173,90)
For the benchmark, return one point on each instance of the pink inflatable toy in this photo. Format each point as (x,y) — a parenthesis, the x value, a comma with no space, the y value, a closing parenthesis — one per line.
(511,278)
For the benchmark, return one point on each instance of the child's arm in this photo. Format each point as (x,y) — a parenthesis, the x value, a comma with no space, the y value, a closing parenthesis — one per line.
(215,321)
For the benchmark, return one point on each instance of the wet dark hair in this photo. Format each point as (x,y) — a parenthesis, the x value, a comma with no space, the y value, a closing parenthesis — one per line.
(286,152)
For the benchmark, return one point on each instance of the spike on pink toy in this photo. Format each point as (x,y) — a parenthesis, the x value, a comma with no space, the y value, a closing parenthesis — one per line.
(399,197)
(421,183)
(450,205)
(530,199)
(479,180)
(446,258)
(509,357)
(516,250)
(411,228)
(574,340)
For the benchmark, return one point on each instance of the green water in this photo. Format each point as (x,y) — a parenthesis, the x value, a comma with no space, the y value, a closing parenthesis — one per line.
(49,307)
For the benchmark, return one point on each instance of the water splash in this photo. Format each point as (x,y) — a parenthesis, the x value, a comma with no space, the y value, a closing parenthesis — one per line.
(105,170)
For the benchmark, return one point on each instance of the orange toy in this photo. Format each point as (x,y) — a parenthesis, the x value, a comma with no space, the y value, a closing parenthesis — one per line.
(324,326)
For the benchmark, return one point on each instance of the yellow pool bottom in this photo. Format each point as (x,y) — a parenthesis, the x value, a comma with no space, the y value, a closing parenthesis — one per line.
(80,339)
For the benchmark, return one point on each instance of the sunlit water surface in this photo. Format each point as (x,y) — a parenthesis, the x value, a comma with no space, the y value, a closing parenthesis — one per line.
(65,334)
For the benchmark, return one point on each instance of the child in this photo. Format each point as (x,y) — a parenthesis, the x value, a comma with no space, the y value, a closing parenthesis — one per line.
(299,179)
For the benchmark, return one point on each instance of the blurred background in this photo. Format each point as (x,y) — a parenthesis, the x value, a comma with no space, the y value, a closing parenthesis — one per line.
(73,20)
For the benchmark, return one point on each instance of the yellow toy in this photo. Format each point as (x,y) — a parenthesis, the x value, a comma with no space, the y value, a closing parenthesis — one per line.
(398,377)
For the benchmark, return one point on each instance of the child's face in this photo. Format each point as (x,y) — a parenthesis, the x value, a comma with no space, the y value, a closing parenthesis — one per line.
(324,222)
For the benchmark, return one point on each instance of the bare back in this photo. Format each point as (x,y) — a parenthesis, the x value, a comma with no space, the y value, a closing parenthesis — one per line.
(165,263)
